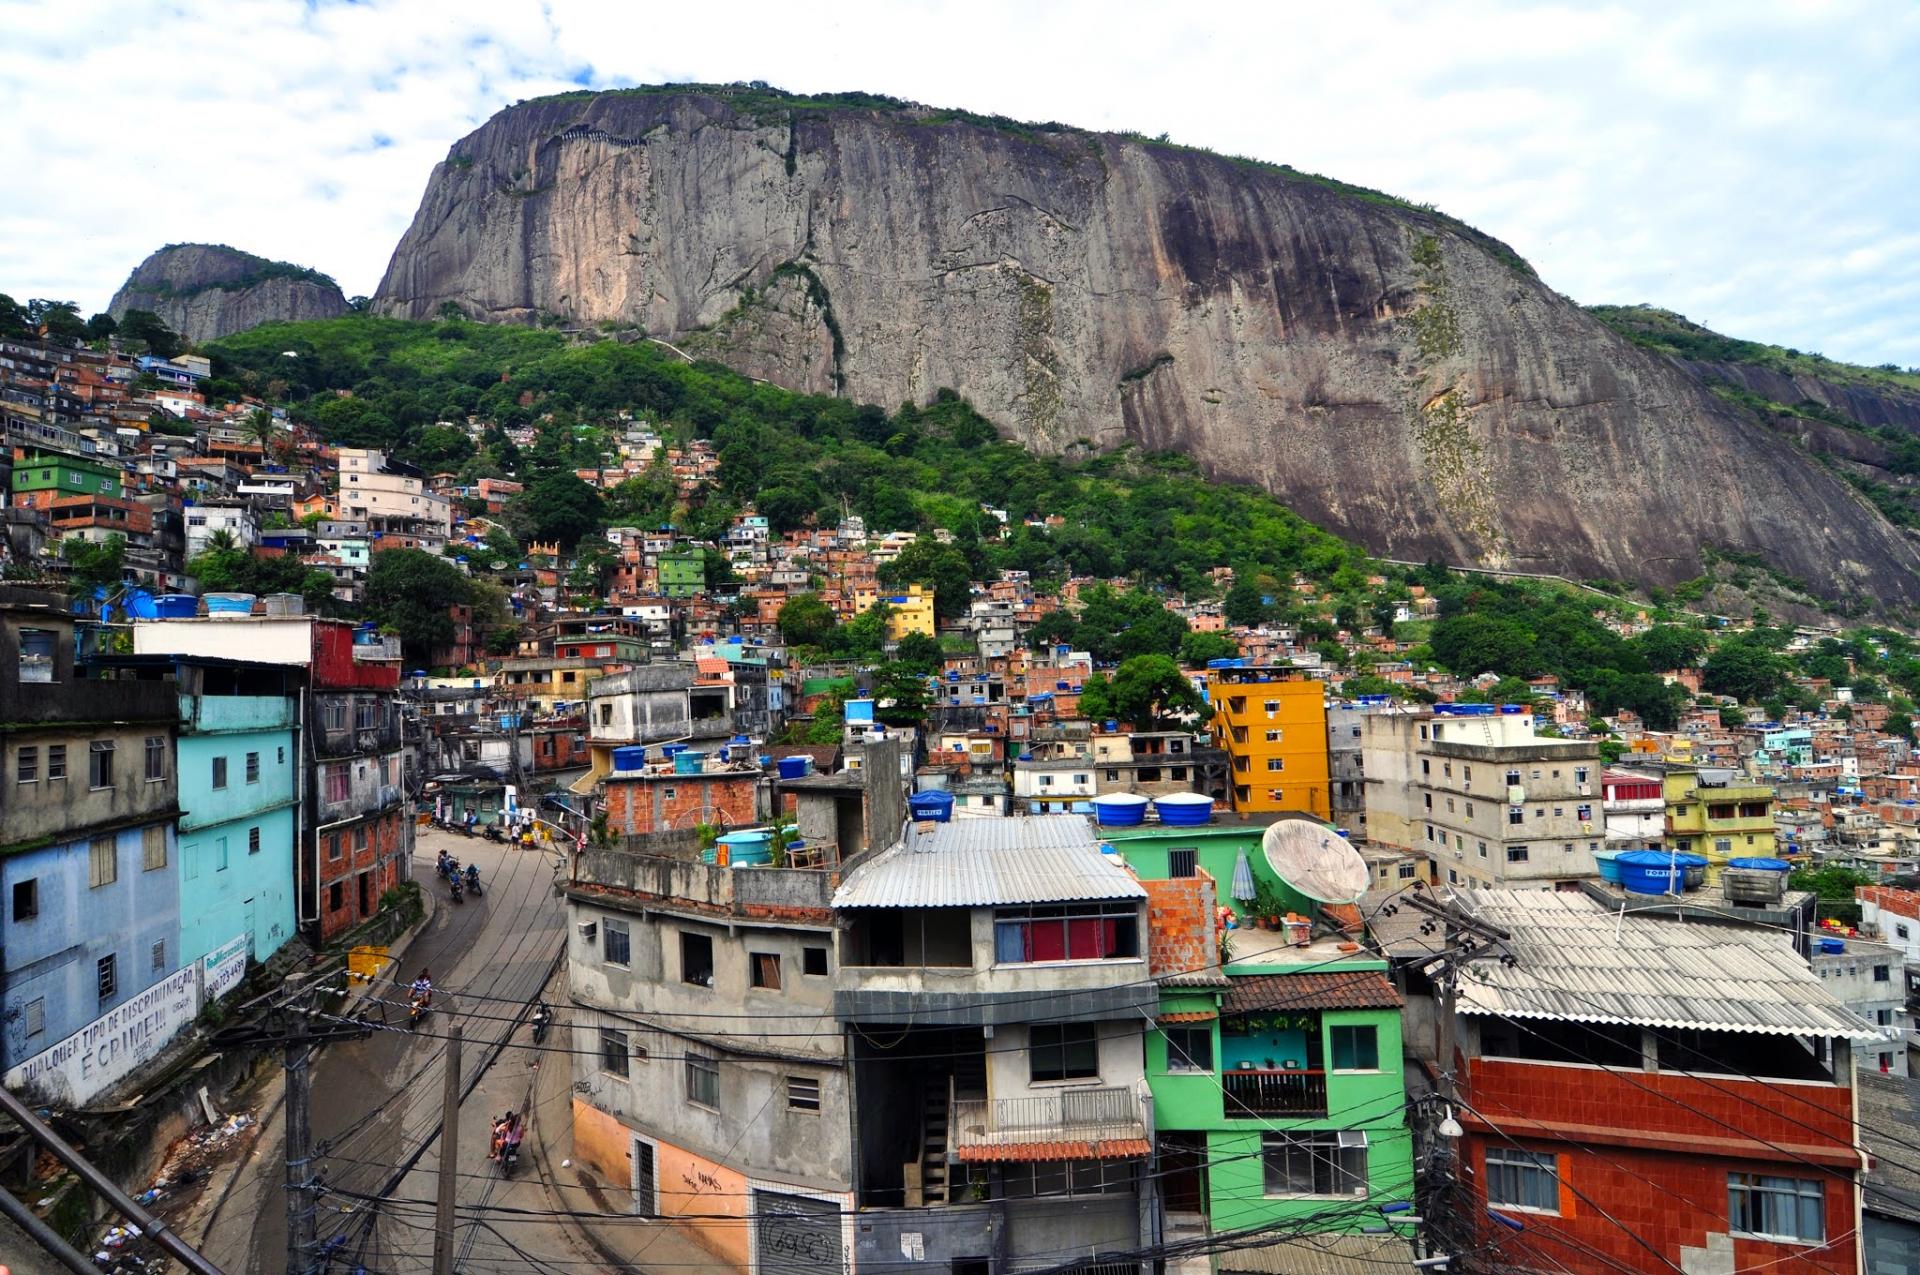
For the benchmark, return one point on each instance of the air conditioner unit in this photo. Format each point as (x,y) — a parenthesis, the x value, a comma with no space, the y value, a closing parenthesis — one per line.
(589,930)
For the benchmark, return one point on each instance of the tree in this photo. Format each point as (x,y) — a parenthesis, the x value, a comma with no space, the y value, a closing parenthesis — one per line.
(1511,690)
(899,695)
(1745,670)
(260,427)
(938,567)
(94,566)
(919,652)
(1669,646)
(806,621)
(1197,648)
(146,328)
(1148,690)
(409,591)
(1243,604)
(1474,643)
(1732,716)
(61,319)
(1900,725)
(101,326)
(440,447)
(559,507)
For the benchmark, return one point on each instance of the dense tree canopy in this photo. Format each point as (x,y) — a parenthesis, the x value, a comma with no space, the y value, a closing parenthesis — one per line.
(1147,692)
(806,621)
(409,591)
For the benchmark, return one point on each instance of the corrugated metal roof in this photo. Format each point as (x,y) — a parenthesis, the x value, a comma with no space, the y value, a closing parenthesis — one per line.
(984,862)
(1323,1255)
(1333,989)
(1579,962)
(1889,1103)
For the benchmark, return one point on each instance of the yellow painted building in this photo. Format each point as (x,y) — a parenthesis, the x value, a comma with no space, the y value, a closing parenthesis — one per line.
(908,611)
(1718,814)
(1272,722)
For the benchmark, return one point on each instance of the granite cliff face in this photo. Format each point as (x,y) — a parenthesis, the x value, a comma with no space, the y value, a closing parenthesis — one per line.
(207,291)
(1388,372)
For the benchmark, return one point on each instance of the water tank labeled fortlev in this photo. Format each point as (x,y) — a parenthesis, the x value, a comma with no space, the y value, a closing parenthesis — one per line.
(931,807)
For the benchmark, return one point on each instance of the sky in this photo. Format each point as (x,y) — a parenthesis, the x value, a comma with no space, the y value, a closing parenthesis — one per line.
(1754,165)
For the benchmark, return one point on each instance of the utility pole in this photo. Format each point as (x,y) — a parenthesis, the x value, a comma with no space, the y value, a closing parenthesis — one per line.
(449,1158)
(301,1234)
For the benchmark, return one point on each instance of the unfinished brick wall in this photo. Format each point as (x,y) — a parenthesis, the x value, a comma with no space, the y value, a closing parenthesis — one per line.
(1180,925)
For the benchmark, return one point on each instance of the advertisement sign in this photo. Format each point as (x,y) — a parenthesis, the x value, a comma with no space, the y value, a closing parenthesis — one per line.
(108,1049)
(224,967)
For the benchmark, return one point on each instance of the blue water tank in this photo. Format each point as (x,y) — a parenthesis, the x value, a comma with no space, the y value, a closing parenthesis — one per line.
(1184,809)
(1657,871)
(1761,865)
(630,757)
(1608,861)
(689,761)
(1120,810)
(931,806)
(176,606)
(795,767)
(745,849)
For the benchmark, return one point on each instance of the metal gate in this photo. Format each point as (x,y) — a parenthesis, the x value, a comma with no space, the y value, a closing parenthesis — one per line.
(645,1202)
(796,1235)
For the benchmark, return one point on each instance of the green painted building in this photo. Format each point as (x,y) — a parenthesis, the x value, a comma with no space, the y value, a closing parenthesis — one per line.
(1277,1076)
(65,476)
(683,573)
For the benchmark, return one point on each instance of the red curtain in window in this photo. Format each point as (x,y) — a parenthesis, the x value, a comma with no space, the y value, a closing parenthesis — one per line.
(1084,939)
(1046,941)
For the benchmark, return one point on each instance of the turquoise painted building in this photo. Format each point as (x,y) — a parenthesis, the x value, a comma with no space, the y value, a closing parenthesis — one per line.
(238,758)
(1277,1076)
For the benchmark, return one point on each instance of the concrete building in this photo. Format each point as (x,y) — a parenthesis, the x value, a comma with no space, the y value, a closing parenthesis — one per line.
(1866,977)
(1718,813)
(203,522)
(651,705)
(1346,765)
(390,495)
(1272,722)
(1635,810)
(90,939)
(1481,795)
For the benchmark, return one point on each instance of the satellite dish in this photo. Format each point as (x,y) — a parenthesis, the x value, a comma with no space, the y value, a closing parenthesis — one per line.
(1315,860)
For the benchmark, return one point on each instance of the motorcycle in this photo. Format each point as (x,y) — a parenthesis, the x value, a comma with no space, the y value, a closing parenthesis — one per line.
(541,1017)
(452,868)
(494,833)
(509,1159)
(459,895)
(473,880)
(416,1012)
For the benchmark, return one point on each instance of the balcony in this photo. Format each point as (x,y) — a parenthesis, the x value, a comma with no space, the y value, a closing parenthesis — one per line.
(1262,1092)
(377,649)
(207,714)
(1097,1123)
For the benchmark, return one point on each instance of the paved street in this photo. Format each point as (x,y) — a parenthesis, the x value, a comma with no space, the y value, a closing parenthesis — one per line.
(375,1100)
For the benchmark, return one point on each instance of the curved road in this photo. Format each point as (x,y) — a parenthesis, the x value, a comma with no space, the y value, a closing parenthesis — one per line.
(375,1101)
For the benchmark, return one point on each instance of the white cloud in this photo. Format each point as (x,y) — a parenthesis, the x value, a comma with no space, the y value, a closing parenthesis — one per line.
(1749,164)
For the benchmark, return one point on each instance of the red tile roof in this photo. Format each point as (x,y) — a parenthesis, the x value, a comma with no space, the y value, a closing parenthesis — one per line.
(1062,1149)
(1189,1016)
(1349,989)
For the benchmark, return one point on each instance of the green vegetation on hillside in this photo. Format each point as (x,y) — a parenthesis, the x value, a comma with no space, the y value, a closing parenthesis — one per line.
(799,458)
(1672,333)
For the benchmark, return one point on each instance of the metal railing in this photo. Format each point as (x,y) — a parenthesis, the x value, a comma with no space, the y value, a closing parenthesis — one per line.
(1275,1093)
(1079,1115)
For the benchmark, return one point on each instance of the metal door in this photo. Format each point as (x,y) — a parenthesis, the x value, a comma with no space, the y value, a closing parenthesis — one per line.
(646,1202)
(796,1235)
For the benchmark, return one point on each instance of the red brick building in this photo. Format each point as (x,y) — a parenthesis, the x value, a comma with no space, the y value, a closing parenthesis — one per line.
(1650,1094)
(661,801)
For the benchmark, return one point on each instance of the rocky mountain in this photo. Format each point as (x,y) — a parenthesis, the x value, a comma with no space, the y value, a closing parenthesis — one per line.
(206,291)
(1389,372)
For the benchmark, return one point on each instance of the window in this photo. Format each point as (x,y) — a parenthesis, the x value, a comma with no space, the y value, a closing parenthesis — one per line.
(1513,779)
(159,955)
(100,764)
(280,755)
(1064,1051)
(1516,815)
(765,970)
(1523,1179)
(37,650)
(1332,1163)
(613,1051)
(1483,848)
(333,848)
(103,866)
(36,1016)
(253,767)
(803,1094)
(1079,932)
(153,848)
(1055,1179)
(366,714)
(360,836)
(619,945)
(1583,813)
(219,772)
(26,899)
(56,762)
(334,714)
(1776,1207)
(1424,767)
(1189,1048)
(337,781)
(1273,737)
(1180,863)
(105,978)
(1559,812)
(1276,763)
(703,1080)
(1516,854)
(1273,706)
(1355,1048)
(157,758)
(696,959)
(1880,974)
(27,764)
(1408,871)
(336,896)
(813,960)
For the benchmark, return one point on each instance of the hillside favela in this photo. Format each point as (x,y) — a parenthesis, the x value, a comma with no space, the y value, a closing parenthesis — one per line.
(609,667)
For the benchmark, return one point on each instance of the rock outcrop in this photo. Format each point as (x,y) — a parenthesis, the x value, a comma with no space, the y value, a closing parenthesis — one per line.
(1388,372)
(206,291)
